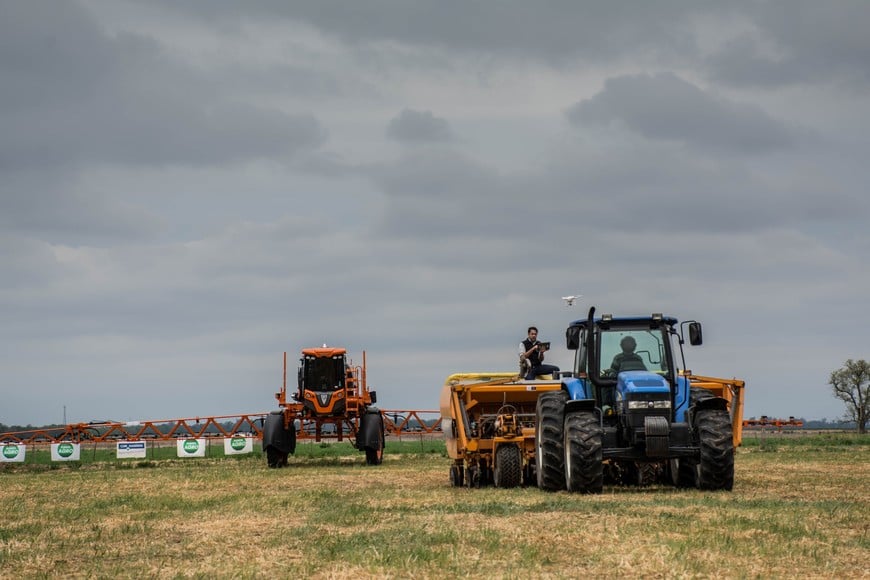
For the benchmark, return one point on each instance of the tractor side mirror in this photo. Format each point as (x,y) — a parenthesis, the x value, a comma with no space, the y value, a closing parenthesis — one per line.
(572,337)
(695,335)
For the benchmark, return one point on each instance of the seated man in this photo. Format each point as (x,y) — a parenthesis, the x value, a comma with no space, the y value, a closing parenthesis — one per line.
(627,360)
(531,353)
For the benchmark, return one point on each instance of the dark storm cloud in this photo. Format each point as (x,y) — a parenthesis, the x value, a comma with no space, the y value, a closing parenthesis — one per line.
(667,107)
(71,93)
(419,126)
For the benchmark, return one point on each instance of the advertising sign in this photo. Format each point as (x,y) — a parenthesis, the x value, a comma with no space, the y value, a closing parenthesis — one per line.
(131,450)
(66,451)
(12,453)
(238,445)
(190,447)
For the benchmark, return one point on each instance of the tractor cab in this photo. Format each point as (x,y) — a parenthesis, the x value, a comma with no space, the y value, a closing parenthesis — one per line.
(324,379)
(631,365)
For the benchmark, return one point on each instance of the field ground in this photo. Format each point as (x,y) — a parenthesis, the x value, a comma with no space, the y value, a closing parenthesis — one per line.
(799,509)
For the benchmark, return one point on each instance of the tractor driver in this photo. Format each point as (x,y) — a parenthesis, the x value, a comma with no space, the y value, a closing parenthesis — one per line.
(627,360)
(531,350)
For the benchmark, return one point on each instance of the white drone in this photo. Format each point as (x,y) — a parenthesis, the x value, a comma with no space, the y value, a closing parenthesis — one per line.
(569,300)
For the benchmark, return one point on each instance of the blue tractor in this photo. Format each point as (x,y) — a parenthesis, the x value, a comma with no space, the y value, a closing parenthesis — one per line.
(626,414)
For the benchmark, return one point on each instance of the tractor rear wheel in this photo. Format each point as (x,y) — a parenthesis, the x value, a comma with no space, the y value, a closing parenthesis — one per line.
(716,468)
(508,466)
(699,394)
(549,444)
(584,465)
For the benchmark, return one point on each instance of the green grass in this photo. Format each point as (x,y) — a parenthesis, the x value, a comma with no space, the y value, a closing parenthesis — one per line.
(801,510)
(774,440)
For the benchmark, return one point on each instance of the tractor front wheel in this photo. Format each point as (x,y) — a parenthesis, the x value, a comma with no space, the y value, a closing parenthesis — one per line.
(584,465)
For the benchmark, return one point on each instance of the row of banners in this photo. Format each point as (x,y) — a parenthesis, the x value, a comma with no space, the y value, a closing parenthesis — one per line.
(15,453)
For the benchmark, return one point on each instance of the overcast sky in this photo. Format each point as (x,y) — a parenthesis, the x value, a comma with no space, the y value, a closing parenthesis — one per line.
(187,190)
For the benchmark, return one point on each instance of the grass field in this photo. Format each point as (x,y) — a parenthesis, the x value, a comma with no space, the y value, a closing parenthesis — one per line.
(800,508)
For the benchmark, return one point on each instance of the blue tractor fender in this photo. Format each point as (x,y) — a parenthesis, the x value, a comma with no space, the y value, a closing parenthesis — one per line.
(681,399)
(579,394)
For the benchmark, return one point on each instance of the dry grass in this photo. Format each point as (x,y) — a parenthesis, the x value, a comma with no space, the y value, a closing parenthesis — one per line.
(797,512)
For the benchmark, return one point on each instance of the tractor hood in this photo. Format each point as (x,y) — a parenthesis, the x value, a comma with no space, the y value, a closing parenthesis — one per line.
(640,382)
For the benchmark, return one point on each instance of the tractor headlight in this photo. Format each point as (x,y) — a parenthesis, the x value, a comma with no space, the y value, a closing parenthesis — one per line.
(641,405)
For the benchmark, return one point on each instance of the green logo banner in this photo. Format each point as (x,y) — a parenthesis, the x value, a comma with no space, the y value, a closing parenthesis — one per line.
(65,451)
(238,445)
(191,447)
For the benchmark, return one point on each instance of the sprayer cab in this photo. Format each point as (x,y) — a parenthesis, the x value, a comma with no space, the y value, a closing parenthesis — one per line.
(324,381)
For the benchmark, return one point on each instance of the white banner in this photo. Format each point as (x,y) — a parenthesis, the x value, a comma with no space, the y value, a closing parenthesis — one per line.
(66,451)
(238,445)
(12,453)
(131,450)
(190,447)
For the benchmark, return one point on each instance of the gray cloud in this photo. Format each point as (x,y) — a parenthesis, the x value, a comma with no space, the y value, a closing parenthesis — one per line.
(809,43)
(664,106)
(120,99)
(812,42)
(189,189)
(419,126)
(556,30)
(51,206)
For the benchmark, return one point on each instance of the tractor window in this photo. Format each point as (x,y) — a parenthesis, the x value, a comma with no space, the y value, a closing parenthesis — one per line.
(580,355)
(648,351)
(324,374)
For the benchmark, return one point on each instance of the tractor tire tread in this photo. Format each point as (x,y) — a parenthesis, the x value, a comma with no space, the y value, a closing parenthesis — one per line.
(716,467)
(549,444)
(584,465)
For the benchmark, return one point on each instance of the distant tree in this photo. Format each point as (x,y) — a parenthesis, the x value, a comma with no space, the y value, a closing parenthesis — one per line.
(851,384)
